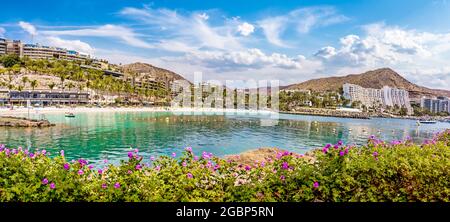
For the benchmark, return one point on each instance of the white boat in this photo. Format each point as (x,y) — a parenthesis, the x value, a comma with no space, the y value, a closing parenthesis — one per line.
(427,121)
(70,115)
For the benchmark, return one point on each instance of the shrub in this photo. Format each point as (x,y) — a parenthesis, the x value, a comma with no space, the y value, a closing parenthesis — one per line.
(379,171)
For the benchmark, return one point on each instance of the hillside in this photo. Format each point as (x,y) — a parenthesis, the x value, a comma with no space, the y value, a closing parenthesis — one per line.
(144,70)
(371,79)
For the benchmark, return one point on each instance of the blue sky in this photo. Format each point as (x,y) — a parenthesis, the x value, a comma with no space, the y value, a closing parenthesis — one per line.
(291,41)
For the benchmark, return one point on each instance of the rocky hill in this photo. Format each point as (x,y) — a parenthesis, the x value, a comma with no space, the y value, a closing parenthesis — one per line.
(371,79)
(144,70)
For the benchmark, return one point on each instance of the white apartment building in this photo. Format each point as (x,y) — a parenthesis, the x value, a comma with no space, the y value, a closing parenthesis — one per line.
(436,105)
(386,96)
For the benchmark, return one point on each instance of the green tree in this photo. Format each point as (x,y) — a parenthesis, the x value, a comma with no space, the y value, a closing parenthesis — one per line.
(33,84)
(24,81)
(10,60)
(51,85)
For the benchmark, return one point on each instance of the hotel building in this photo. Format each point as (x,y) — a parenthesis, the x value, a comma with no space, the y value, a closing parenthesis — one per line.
(386,96)
(38,51)
(2,46)
(440,104)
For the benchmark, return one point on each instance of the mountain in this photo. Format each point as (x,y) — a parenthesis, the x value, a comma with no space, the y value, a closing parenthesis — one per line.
(144,70)
(371,79)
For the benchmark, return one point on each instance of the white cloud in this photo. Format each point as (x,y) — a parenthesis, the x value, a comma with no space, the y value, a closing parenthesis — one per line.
(127,35)
(413,54)
(55,41)
(203,16)
(308,18)
(303,20)
(76,45)
(2,32)
(248,59)
(190,28)
(28,27)
(272,28)
(386,45)
(246,29)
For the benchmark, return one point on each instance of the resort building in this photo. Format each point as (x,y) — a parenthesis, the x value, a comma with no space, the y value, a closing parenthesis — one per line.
(385,97)
(14,47)
(440,104)
(2,46)
(37,51)
(43,97)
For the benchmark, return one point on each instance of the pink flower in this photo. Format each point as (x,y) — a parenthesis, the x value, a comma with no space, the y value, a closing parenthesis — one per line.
(152,158)
(52,186)
(195,158)
(117,185)
(105,161)
(247,168)
(45,181)
(189,175)
(285,166)
(130,155)
(44,152)
(138,167)
(130,172)
(61,152)
(189,149)
(66,166)
(316,184)
(341,153)
(136,150)
(90,167)
(282,177)
(174,155)
(80,172)
(100,171)
(104,186)
(184,164)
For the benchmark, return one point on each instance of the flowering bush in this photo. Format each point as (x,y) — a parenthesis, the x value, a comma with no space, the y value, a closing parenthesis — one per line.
(379,171)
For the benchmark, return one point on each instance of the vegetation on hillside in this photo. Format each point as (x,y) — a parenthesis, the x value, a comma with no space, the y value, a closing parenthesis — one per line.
(379,171)
(85,78)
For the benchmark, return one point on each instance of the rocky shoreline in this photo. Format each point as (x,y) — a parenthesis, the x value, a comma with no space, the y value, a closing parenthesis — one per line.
(10,121)
(328,112)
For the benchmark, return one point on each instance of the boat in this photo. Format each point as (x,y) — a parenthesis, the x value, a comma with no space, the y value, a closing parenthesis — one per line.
(427,121)
(70,115)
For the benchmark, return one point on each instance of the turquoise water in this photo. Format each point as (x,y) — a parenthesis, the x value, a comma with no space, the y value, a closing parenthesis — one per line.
(98,136)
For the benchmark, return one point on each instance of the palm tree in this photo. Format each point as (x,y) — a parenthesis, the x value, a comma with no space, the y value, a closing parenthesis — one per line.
(33,84)
(63,78)
(51,85)
(24,81)
(70,85)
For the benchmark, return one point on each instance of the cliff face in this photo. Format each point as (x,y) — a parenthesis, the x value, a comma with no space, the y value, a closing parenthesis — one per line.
(371,79)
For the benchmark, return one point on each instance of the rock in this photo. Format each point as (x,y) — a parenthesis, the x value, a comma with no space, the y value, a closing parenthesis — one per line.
(9,121)
(328,112)
(263,154)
